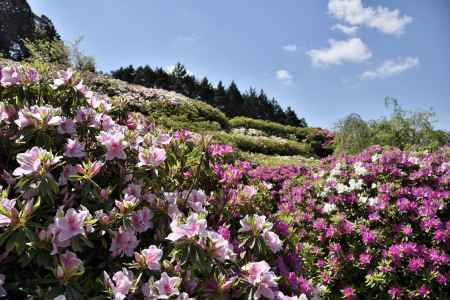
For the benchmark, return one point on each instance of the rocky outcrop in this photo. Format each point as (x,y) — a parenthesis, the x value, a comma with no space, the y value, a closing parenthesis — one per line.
(17,23)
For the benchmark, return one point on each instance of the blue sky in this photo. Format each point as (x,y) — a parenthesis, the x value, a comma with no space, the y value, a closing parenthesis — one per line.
(326,59)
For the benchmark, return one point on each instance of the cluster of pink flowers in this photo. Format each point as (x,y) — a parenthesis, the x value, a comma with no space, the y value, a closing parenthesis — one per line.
(91,189)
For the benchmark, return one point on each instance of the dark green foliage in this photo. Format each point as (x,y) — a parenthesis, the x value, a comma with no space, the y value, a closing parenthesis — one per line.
(230,100)
(192,114)
(17,24)
(264,145)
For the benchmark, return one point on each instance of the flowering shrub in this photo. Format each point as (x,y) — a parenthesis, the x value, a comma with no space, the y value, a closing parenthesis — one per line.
(97,202)
(374,225)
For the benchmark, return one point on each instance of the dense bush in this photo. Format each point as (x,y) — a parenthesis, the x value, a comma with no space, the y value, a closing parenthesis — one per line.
(97,202)
(192,114)
(321,140)
(265,145)
(402,129)
(371,226)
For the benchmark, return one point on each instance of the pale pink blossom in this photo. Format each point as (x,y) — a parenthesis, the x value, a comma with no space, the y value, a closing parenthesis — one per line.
(248,192)
(255,271)
(221,248)
(196,199)
(152,256)
(38,116)
(9,76)
(167,286)
(63,78)
(35,160)
(120,284)
(193,227)
(66,126)
(267,286)
(163,139)
(151,157)
(141,220)
(273,241)
(114,143)
(123,243)
(255,223)
(74,148)
(71,224)
(7,206)
(84,90)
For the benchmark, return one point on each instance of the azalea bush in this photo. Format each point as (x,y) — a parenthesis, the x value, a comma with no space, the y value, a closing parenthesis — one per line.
(371,226)
(99,202)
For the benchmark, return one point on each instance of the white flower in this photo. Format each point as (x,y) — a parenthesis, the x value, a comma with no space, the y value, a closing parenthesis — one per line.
(329,208)
(359,169)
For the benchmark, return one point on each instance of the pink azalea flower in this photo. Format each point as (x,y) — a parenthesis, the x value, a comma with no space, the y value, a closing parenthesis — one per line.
(115,144)
(38,116)
(196,199)
(10,212)
(84,90)
(34,160)
(70,261)
(193,227)
(254,223)
(74,148)
(120,284)
(267,286)
(163,139)
(71,224)
(141,220)
(152,256)
(221,249)
(151,157)
(31,75)
(63,78)
(123,243)
(273,241)
(255,270)
(66,126)
(6,112)
(219,150)
(167,286)
(348,293)
(9,76)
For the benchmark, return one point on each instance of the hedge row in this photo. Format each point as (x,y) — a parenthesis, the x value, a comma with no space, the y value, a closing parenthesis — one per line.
(264,145)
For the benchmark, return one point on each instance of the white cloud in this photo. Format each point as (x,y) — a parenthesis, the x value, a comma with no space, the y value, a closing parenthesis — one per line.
(352,50)
(283,75)
(350,30)
(391,68)
(380,17)
(290,48)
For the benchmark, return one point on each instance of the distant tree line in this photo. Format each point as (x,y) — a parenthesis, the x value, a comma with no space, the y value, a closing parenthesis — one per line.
(230,100)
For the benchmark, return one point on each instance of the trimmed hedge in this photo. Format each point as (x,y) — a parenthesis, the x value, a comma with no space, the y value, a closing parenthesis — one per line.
(264,145)
(191,114)
(320,140)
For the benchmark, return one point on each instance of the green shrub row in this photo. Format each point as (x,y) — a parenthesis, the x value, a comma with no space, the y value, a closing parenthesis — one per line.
(264,145)
(191,114)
